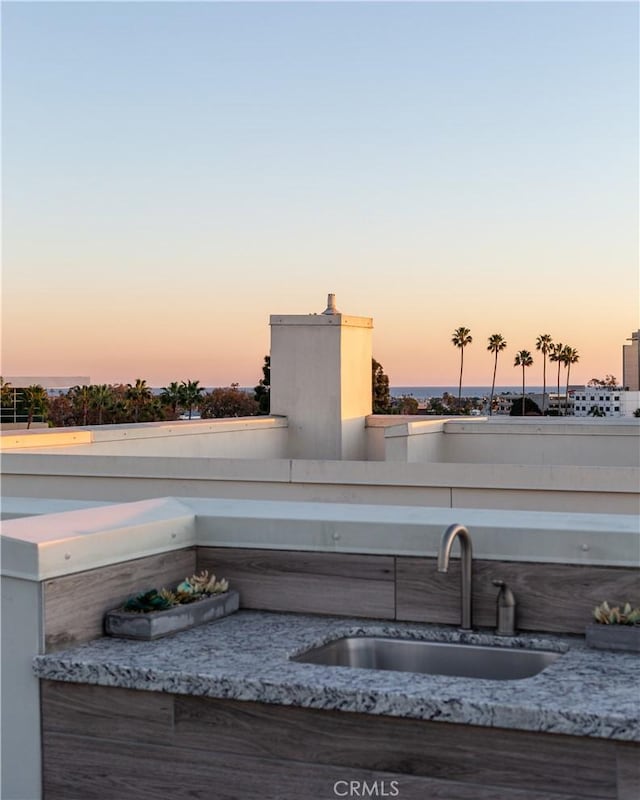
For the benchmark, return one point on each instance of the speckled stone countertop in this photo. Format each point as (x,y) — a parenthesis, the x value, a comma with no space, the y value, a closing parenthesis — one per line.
(246,656)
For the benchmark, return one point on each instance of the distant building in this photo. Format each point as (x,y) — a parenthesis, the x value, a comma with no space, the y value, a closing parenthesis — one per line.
(631,363)
(606,401)
(53,384)
(14,414)
(504,402)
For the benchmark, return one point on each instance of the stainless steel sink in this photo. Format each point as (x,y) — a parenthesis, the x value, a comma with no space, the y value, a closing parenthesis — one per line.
(432,658)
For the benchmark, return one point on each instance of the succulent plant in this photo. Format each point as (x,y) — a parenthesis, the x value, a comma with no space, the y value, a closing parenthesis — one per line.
(616,615)
(148,601)
(191,589)
(202,584)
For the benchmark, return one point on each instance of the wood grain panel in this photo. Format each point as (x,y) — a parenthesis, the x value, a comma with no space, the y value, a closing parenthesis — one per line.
(299,739)
(462,753)
(109,713)
(319,583)
(551,597)
(77,768)
(74,605)
(628,759)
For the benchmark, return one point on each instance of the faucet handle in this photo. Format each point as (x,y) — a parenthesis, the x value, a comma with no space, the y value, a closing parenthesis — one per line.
(506,610)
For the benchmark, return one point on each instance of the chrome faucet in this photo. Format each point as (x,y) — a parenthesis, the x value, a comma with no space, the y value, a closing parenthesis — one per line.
(466,557)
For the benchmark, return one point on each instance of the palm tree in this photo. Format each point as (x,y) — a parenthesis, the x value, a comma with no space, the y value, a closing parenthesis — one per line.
(172,396)
(569,356)
(461,337)
(101,397)
(7,396)
(138,394)
(555,354)
(191,392)
(81,396)
(35,399)
(523,359)
(497,343)
(544,344)
(6,392)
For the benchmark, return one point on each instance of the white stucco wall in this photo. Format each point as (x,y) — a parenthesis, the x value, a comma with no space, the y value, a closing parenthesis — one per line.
(602,443)
(321,381)
(126,478)
(242,437)
(615,443)
(22,639)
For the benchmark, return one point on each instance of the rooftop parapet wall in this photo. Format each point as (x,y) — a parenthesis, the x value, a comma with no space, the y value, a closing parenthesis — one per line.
(544,464)
(603,443)
(508,486)
(239,437)
(410,439)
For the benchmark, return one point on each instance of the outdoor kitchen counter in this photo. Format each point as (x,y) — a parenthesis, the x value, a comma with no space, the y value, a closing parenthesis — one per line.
(246,656)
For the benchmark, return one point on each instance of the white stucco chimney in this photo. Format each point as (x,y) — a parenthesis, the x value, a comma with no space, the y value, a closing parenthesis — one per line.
(321,381)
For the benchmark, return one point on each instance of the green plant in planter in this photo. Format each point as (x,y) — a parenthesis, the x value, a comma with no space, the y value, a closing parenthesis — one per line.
(198,586)
(606,615)
(153,600)
(190,590)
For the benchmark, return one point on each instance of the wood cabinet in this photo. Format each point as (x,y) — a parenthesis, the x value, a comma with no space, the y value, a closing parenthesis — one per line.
(104,743)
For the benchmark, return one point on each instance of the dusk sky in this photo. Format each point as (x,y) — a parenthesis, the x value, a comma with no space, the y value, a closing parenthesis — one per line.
(174,173)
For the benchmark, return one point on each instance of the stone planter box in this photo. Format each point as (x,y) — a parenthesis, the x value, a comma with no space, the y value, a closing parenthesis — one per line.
(613,637)
(154,624)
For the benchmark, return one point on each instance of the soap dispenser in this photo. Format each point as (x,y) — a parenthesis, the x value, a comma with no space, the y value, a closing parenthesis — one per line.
(506,610)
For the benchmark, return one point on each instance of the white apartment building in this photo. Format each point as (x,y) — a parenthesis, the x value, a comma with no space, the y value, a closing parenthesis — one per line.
(609,402)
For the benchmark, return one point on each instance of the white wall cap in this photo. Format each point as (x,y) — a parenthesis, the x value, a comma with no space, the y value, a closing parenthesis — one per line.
(539,536)
(14,507)
(412,428)
(551,426)
(37,548)
(333,320)
(64,437)
(40,547)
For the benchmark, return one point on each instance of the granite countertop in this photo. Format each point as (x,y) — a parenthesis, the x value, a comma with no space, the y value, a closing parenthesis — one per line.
(246,656)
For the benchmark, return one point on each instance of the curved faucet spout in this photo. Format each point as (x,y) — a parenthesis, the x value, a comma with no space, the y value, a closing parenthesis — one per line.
(452,533)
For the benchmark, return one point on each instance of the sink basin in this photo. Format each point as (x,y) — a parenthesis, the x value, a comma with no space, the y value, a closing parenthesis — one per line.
(432,658)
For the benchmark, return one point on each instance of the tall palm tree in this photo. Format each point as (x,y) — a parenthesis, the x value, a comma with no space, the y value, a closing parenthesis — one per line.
(496,345)
(101,398)
(191,392)
(544,344)
(569,356)
(461,337)
(523,359)
(555,354)
(35,399)
(172,396)
(138,394)
(81,396)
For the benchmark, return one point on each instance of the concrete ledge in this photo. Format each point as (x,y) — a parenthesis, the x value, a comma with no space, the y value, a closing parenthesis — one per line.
(73,438)
(538,536)
(48,546)
(41,547)
(335,320)
(17,507)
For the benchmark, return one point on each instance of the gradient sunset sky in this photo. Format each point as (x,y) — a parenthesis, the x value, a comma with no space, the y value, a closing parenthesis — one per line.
(176,172)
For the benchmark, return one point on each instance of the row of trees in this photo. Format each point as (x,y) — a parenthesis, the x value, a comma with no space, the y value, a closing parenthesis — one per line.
(563,354)
(99,404)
